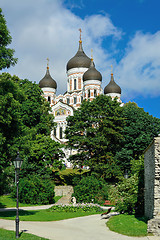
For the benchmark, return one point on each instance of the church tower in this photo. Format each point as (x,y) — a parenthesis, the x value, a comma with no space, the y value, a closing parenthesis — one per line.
(113,90)
(48,86)
(92,80)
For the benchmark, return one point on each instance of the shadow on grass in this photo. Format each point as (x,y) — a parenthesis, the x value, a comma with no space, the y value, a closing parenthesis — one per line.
(2,205)
(142,218)
(12,213)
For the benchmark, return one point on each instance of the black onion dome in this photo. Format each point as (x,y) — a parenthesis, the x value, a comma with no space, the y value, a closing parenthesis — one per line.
(92,73)
(79,60)
(48,81)
(112,87)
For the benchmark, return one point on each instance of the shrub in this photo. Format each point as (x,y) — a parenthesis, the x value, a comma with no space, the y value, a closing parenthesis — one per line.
(78,208)
(124,194)
(35,190)
(91,189)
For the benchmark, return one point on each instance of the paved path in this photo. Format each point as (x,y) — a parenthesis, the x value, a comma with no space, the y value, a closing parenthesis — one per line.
(82,228)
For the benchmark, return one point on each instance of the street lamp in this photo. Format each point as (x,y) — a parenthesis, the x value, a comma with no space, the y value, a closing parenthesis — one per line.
(126,174)
(17,163)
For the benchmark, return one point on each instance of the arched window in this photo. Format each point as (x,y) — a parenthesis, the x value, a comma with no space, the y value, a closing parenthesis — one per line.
(89,93)
(68,101)
(75,84)
(49,99)
(60,133)
(95,93)
(75,100)
(55,132)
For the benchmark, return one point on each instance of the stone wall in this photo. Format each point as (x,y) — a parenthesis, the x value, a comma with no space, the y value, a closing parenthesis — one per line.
(152,185)
(149,176)
(63,190)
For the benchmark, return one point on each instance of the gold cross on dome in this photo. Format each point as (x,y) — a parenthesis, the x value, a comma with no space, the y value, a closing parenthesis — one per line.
(111,68)
(47,62)
(80,30)
(91,53)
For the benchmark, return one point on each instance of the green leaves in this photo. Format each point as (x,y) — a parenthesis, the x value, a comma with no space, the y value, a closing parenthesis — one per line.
(95,131)
(6,54)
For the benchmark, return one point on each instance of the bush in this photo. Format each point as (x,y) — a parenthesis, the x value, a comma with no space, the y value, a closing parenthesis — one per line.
(35,190)
(125,195)
(91,189)
(77,208)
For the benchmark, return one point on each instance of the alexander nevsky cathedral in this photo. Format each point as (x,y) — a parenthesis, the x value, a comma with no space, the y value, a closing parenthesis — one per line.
(83,82)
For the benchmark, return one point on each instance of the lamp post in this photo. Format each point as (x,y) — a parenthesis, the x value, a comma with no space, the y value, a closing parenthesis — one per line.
(17,163)
(126,174)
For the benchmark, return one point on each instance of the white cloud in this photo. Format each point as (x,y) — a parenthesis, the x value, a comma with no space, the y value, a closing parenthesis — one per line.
(44,28)
(139,70)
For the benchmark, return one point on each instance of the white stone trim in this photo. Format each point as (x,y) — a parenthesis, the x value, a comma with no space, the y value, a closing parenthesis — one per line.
(76,70)
(92,82)
(47,89)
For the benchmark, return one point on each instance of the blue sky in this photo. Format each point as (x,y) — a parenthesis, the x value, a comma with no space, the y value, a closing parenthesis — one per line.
(122,33)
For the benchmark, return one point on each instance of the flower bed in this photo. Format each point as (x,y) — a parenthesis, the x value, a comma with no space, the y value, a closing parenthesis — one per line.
(77,208)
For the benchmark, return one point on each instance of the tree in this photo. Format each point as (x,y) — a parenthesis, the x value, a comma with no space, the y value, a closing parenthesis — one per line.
(25,125)
(138,132)
(95,132)
(6,54)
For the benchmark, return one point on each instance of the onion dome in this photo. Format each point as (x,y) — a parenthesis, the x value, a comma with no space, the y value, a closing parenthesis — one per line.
(92,73)
(48,81)
(79,60)
(112,87)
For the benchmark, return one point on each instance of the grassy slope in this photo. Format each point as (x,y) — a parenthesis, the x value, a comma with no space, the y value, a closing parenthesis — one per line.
(7,202)
(10,235)
(42,215)
(128,225)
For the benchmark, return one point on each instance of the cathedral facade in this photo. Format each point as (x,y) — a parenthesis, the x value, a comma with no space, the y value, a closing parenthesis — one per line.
(83,83)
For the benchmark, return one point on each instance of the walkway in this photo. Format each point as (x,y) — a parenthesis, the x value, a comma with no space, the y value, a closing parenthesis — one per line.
(82,228)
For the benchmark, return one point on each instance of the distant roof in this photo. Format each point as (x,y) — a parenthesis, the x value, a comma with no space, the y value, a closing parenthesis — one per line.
(79,60)
(112,87)
(92,73)
(48,81)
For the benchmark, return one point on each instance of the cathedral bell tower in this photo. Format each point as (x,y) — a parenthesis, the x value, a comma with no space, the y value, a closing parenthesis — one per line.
(48,86)
(92,80)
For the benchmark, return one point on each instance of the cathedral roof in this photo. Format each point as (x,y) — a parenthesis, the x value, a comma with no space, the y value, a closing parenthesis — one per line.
(92,73)
(79,60)
(48,81)
(112,87)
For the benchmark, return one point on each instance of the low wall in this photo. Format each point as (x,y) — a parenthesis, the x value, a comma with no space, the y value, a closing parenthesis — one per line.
(63,190)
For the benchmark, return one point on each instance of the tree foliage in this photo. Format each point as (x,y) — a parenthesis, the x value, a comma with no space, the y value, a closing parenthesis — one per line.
(90,189)
(95,132)
(25,125)
(6,54)
(138,132)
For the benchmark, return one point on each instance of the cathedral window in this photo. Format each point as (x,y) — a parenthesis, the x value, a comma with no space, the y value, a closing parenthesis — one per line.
(75,84)
(68,101)
(70,84)
(95,93)
(89,93)
(49,99)
(60,133)
(55,132)
(75,100)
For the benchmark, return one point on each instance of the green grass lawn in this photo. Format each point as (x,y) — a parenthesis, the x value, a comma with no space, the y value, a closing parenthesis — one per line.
(43,215)
(10,235)
(7,202)
(128,225)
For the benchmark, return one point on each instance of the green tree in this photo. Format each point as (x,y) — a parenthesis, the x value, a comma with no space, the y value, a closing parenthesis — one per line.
(95,132)
(25,125)
(6,54)
(138,132)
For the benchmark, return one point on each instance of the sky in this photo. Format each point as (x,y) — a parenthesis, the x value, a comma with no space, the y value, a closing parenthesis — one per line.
(122,33)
